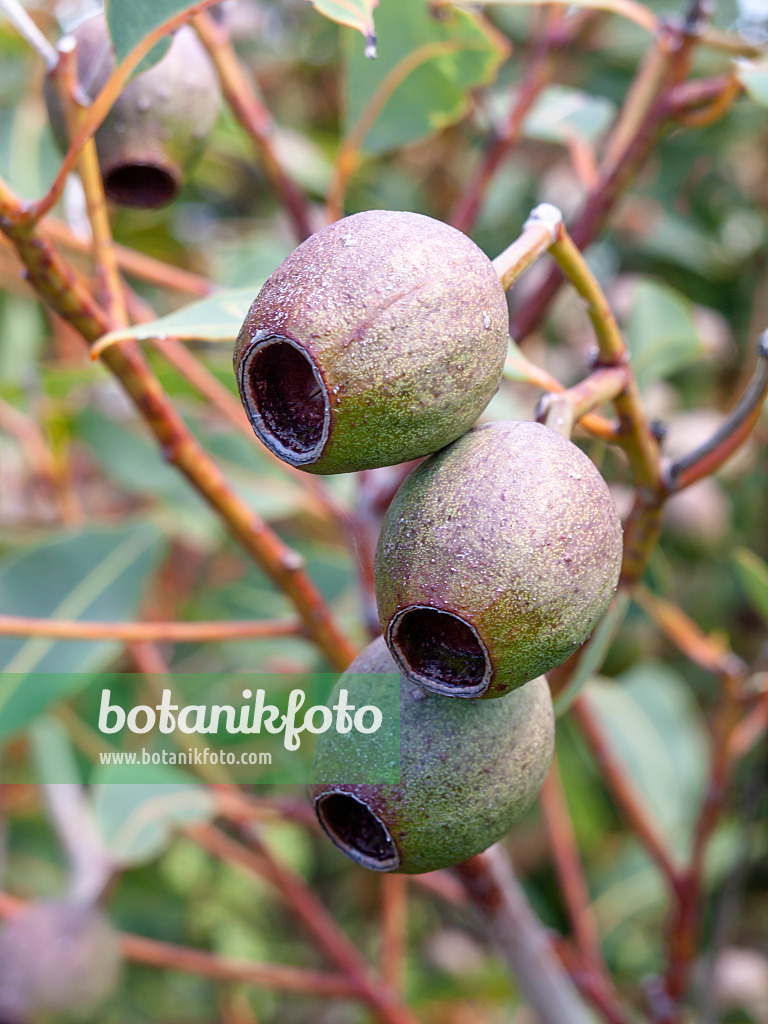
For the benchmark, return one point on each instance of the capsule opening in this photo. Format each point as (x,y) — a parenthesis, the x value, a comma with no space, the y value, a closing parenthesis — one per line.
(440,651)
(352,826)
(142,186)
(286,399)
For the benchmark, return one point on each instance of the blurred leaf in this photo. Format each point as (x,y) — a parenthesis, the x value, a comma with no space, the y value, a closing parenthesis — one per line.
(595,651)
(354,13)
(753,576)
(422,78)
(138,820)
(753,75)
(658,734)
(92,574)
(662,333)
(52,752)
(218,318)
(561,113)
(22,328)
(136,465)
(130,21)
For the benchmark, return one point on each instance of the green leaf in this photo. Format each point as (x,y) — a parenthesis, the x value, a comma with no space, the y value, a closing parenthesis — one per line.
(354,13)
(218,318)
(137,820)
(595,651)
(94,574)
(753,576)
(130,21)
(662,334)
(52,752)
(422,78)
(658,734)
(753,75)
(561,113)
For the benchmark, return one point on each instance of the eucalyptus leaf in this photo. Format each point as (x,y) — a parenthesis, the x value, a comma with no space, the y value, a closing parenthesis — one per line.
(659,736)
(92,574)
(218,318)
(354,13)
(137,820)
(753,576)
(662,333)
(423,76)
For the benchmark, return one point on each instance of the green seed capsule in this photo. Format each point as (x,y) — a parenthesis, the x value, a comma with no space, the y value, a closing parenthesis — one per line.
(380,339)
(496,559)
(158,125)
(469,770)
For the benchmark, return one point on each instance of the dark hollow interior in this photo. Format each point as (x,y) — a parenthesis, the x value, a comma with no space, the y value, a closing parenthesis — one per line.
(439,647)
(356,829)
(142,186)
(287,395)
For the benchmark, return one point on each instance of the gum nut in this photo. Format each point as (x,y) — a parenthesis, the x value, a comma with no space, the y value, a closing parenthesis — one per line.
(496,559)
(380,339)
(158,125)
(468,771)
(56,958)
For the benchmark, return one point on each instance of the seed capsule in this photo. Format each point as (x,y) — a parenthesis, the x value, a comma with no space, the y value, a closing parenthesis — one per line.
(158,125)
(468,772)
(380,339)
(496,559)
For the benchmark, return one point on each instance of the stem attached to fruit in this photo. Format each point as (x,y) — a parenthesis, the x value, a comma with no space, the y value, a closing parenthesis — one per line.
(561,411)
(539,232)
(641,446)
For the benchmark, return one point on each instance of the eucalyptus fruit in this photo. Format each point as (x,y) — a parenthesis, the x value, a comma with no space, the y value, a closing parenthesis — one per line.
(468,771)
(59,959)
(378,340)
(157,127)
(496,558)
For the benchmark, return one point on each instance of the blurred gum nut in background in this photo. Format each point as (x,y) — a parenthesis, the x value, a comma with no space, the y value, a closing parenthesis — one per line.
(159,124)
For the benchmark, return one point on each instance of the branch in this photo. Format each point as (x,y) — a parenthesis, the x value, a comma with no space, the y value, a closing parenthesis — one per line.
(149,632)
(626,795)
(394,929)
(280,977)
(68,295)
(520,938)
(570,871)
(250,111)
(330,940)
(741,421)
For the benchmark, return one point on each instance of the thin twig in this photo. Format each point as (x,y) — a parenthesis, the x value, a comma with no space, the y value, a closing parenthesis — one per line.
(623,789)
(394,929)
(279,977)
(739,424)
(329,938)
(24,25)
(150,632)
(570,871)
(68,294)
